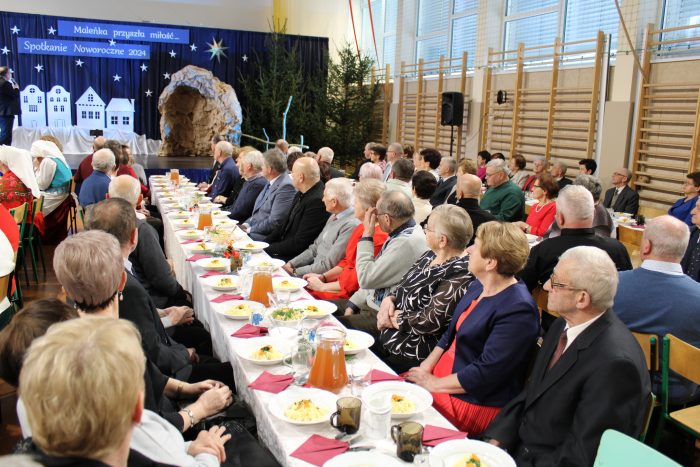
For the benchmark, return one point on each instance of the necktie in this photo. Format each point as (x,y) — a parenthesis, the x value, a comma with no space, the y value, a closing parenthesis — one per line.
(561,345)
(614,198)
(261,197)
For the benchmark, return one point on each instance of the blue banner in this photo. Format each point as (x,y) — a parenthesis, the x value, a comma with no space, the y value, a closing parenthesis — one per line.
(125,32)
(82,49)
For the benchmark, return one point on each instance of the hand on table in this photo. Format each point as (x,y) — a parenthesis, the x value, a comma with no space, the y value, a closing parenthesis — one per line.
(210,442)
(314,283)
(288,267)
(220,199)
(422,378)
(215,400)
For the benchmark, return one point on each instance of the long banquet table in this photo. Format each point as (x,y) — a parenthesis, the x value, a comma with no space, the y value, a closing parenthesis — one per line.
(280,437)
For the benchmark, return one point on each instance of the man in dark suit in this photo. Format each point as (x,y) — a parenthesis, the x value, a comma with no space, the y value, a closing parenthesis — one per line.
(468,192)
(558,172)
(575,217)
(589,376)
(326,154)
(250,165)
(307,217)
(206,186)
(271,207)
(622,198)
(9,105)
(227,176)
(448,178)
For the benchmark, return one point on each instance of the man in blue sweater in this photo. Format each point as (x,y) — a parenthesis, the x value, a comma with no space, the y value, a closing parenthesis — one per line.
(96,186)
(658,298)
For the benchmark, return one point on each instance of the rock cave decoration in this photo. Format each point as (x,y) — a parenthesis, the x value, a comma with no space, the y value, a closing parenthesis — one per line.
(194,107)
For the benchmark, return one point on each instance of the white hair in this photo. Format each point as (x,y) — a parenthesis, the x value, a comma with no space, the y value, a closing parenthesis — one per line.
(575,202)
(499,165)
(340,189)
(254,158)
(103,160)
(559,164)
(325,154)
(125,187)
(595,273)
(668,236)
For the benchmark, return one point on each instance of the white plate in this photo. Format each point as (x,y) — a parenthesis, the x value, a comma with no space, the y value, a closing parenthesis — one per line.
(193,234)
(224,221)
(248,307)
(212,264)
(360,341)
(315,308)
(222,214)
(185,223)
(325,400)
(421,398)
(200,247)
(449,453)
(271,262)
(214,282)
(250,245)
(362,459)
(246,348)
(179,215)
(291,284)
(290,323)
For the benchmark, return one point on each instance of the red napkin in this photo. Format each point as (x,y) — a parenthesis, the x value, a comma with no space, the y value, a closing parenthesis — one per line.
(434,435)
(379,375)
(190,241)
(213,273)
(225,297)
(279,275)
(271,383)
(248,330)
(317,450)
(197,257)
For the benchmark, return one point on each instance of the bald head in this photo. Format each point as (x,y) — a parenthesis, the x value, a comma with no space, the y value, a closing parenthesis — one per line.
(99,143)
(282,145)
(125,187)
(305,174)
(665,239)
(468,186)
(325,154)
(103,160)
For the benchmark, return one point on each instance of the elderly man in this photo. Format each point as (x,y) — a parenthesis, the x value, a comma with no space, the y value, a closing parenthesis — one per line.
(206,186)
(691,259)
(575,217)
(96,186)
(282,145)
(448,178)
(378,276)
(590,374)
(558,172)
(468,193)
(228,174)
(393,153)
(325,154)
(85,167)
(504,199)
(271,207)
(402,171)
(307,215)
(250,165)
(587,166)
(622,198)
(654,298)
(329,247)
(538,166)
(367,158)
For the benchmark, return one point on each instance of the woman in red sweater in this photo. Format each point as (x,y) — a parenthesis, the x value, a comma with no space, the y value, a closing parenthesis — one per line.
(541,216)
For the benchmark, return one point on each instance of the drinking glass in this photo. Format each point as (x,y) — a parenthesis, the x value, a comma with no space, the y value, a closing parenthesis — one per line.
(347,418)
(300,362)
(408,437)
(360,375)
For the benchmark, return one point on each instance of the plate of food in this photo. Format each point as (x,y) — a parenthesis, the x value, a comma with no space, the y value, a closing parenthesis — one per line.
(264,350)
(316,308)
(213,264)
(250,246)
(219,213)
(266,263)
(303,406)
(224,221)
(184,223)
(288,316)
(224,283)
(407,400)
(193,234)
(364,459)
(357,341)
(179,215)
(469,453)
(288,284)
(237,309)
(200,247)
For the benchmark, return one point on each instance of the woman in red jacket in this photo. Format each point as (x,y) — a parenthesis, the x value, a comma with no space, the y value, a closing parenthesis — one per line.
(541,216)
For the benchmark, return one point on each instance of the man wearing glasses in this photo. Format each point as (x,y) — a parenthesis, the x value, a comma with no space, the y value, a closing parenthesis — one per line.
(622,198)
(589,376)
(504,199)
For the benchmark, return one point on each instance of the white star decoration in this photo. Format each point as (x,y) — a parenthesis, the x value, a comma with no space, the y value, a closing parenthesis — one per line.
(193,47)
(39,68)
(117,77)
(144,67)
(245,58)
(5,50)
(79,63)
(172,54)
(166,75)
(112,42)
(52,31)
(148,93)
(216,49)
(15,30)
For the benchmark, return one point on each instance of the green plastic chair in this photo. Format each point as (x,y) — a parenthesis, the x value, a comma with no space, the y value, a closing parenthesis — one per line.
(20,215)
(619,450)
(33,241)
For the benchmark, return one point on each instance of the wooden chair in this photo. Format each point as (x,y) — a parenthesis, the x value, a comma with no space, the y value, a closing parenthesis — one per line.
(681,358)
(33,239)
(650,212)
(650,346)
(631,238)
(5,290)
(541,297)
(20,215)
(619,450)
(72,217)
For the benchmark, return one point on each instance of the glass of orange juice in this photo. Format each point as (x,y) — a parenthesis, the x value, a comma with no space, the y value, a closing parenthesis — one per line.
(175,177)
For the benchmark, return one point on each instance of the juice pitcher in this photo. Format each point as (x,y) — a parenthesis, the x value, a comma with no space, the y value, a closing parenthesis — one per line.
(261,284)
(328,371)
(204,217)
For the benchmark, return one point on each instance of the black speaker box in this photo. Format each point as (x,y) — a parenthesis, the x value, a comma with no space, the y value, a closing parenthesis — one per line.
(452,111)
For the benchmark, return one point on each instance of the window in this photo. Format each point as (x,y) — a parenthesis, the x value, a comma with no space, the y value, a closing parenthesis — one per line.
(55,108)
(32,90)
(58,91)
(98,115)
(115,120)
(435,18)
(39,99)
(65,99)
(33,108)
(679,13)
(531,22)
(83,114)
(25,99)
(384,18)
(63,108)
(584,18)
(125,120)
(50,99)
(90,115)
(91,98)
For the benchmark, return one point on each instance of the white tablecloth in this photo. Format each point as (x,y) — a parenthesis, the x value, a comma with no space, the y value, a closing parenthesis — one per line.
(78,140)
(281,438)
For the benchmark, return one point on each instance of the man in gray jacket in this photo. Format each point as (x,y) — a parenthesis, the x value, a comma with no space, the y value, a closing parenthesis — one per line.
(378,276)
(329,247)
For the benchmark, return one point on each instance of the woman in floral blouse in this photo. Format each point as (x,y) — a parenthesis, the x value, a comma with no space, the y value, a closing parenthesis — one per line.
(413,318)
(18,184)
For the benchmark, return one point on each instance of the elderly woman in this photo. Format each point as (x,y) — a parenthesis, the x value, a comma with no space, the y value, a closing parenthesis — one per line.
(53,176)
(18,183)
(482,158)
(340,282)
(371,171)
(413,318)
(517,170)
(479,364)
(541,216)
(377,154)
(423,189)
(603,224)
(691,189)
(538,166)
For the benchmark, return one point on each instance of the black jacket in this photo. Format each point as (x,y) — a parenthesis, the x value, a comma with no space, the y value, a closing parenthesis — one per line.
(477,215)
(627,200)
(443,190)
(9,99)
(242,208)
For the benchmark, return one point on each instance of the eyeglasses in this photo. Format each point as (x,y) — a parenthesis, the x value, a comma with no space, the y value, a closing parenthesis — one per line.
(619,174)
(560,285)
(426,229)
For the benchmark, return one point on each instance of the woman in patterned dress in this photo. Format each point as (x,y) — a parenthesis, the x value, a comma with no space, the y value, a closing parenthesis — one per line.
(18,184)
(412,319)
(53,176)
